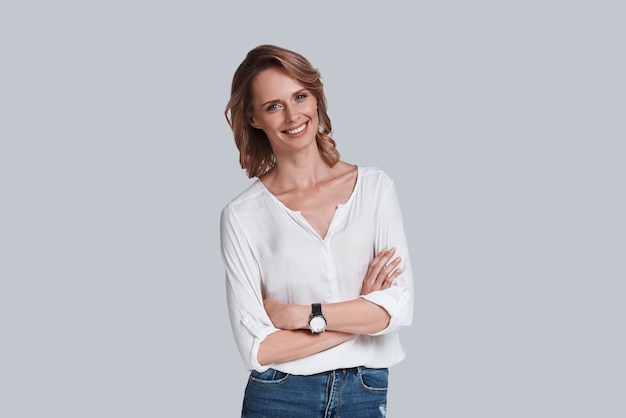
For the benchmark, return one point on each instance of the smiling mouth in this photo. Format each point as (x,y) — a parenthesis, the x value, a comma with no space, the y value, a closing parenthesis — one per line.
(296,130)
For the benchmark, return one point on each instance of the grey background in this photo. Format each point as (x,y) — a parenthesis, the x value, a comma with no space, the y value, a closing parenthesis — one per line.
(501,122)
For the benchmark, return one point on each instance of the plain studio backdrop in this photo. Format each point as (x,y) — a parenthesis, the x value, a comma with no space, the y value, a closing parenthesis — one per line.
(502,123)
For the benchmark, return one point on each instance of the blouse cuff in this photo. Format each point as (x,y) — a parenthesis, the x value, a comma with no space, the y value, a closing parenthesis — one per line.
(393,300)
(259,334)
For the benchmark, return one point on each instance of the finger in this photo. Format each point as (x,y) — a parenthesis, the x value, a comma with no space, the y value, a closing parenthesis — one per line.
(389,267)
(392,276)
(380,261)
(389,272)
(392,265)
(379,258)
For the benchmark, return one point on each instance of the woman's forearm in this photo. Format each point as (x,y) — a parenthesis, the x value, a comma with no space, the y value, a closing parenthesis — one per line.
(286,345)
(357,316)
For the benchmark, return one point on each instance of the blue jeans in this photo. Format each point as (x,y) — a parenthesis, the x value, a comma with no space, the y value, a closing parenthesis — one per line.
(359,392)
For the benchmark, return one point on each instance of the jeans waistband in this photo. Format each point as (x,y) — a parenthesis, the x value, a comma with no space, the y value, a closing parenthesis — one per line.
(348,370)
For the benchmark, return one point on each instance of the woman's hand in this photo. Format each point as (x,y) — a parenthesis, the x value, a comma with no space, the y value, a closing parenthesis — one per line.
(381,272)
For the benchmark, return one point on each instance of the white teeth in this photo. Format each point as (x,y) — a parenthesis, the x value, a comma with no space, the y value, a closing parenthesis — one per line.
(297,130)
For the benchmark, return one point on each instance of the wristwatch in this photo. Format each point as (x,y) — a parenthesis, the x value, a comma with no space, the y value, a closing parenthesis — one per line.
(317,322)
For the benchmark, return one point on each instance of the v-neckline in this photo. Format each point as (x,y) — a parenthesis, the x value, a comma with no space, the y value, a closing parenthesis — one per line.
(297,214)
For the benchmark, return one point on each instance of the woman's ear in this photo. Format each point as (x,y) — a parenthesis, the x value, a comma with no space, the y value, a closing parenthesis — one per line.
(251,122)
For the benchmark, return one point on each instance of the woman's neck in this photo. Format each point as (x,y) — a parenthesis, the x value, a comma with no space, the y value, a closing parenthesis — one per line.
(289,174)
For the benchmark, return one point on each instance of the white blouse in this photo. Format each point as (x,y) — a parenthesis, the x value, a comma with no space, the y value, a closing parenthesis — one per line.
(271,251)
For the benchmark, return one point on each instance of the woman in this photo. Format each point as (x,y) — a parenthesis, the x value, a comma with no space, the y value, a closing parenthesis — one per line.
(318,276)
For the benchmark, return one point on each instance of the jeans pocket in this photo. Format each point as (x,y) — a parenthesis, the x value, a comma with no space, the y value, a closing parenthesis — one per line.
(374,379)
(268,377)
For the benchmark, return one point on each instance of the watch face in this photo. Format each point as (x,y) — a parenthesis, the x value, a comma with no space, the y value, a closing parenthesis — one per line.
(317,324)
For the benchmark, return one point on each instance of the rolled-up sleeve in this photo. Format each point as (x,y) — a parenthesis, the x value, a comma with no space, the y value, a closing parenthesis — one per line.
(398,299)
(249,322)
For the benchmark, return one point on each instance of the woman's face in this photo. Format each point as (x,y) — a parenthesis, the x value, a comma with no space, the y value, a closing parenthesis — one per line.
(285,110)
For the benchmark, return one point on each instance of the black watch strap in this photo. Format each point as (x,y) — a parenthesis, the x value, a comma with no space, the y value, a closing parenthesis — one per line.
(316,309)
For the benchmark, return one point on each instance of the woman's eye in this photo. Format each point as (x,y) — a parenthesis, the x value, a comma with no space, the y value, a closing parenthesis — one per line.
(300,97)
(273,106)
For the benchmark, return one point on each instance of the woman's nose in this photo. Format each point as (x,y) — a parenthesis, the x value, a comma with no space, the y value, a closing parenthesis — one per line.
(292,114)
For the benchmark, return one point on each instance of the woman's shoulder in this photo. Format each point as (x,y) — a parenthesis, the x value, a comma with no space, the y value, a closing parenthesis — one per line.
(374,174)
(246,197)
(374,181)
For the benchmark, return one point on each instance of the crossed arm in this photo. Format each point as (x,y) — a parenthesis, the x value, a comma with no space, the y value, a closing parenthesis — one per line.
(345,320)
